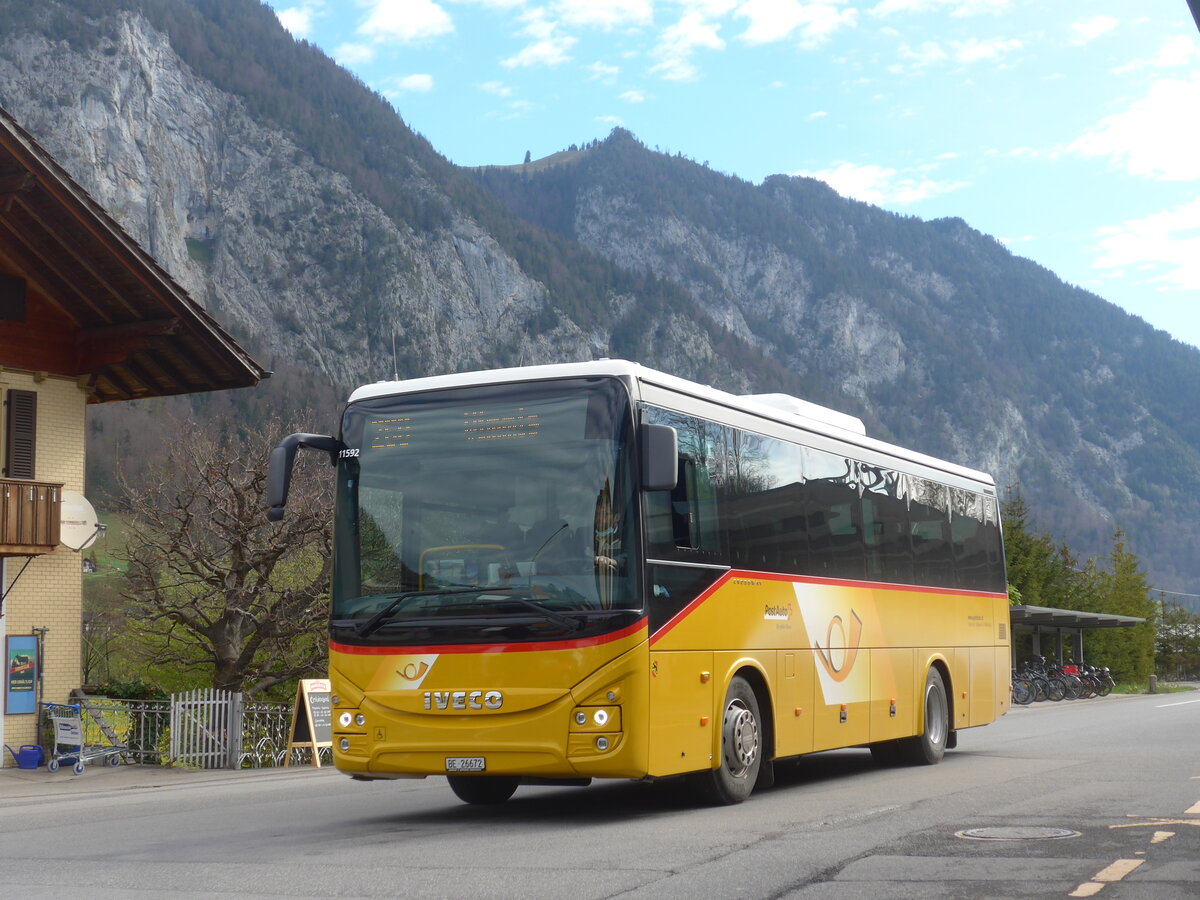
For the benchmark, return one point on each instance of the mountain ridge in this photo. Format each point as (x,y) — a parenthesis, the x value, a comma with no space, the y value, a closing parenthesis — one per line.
(221,145)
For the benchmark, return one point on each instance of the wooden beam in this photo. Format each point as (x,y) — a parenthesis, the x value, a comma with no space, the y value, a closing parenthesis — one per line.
(128,331)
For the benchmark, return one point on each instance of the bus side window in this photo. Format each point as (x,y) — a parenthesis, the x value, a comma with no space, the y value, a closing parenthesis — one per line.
(693,508)
(933,555)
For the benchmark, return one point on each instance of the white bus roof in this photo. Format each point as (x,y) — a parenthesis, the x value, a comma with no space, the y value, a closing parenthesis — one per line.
(777,407)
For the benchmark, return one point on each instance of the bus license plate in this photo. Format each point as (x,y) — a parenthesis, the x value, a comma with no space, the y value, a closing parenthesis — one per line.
(465,763)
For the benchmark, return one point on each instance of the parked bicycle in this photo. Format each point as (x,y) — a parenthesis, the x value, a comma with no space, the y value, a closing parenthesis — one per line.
(1040,680)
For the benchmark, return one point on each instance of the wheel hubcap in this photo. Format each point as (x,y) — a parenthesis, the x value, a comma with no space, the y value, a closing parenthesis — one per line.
(740,738)
(935,716)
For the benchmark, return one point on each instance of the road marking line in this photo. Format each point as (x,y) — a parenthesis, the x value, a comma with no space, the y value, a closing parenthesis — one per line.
(1151,820)
(1087,889)
(1180,703)
(1193,810)
(1160,836)
(1117,870)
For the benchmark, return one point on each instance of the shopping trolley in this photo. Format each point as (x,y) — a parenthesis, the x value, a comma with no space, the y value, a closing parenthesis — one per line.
(66,742)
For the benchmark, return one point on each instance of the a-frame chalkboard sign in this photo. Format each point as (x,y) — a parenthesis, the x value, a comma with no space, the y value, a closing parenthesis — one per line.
(312,719)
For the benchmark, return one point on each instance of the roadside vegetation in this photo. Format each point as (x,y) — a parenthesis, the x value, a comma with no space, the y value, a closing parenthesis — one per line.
(1045,572)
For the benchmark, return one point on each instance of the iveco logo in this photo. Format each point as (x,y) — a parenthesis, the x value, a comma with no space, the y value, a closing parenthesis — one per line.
(463,699)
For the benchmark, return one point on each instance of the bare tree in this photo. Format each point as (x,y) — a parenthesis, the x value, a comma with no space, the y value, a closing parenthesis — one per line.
(211,586)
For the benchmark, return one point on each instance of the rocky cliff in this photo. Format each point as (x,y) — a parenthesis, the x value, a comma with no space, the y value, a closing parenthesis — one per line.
(331,240)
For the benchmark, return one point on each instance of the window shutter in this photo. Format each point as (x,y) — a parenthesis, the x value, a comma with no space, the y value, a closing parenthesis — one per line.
(21,431)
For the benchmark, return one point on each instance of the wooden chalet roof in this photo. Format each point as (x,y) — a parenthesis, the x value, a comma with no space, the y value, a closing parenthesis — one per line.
(79,297)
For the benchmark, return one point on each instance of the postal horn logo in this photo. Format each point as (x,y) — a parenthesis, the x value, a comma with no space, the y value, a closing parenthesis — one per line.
(411,670)
(839,661)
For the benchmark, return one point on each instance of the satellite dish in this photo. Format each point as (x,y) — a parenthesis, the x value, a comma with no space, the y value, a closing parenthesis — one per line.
(79,525)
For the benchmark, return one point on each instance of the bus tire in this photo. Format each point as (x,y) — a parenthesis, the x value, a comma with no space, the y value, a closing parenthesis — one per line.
(741,748)
(928,747)
(483,789)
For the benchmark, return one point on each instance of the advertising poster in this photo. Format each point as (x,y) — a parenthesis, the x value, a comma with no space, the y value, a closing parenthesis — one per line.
(20,679)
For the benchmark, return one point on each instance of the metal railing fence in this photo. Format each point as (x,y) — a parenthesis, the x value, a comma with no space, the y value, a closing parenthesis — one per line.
(192,729)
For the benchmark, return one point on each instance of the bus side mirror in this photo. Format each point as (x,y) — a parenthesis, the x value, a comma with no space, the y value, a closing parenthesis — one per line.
(279,468)
(660,457)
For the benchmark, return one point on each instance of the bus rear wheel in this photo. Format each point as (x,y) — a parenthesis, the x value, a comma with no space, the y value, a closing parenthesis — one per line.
(928,747)
(741,748)
(483,789)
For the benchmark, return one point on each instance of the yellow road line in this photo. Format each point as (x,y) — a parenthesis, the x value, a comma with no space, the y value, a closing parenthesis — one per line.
(1117,870)
(1160,836)
(1110,873)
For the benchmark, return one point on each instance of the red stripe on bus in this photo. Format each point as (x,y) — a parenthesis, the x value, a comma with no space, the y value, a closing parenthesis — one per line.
(805,579)
(491,648)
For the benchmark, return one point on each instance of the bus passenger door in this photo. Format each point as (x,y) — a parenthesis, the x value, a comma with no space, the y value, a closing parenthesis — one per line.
(681,707)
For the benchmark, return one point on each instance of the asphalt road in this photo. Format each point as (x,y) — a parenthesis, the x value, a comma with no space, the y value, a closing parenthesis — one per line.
(1092,798)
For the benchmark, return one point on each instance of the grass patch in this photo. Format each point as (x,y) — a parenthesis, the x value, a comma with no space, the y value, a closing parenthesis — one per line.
(1141,687)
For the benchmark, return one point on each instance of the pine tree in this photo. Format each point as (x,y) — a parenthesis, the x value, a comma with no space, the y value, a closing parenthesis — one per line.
(1121,589)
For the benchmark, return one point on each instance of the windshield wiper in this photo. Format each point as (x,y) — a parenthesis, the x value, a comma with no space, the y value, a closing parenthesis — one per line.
(380,618)
(372,624)
(550,615)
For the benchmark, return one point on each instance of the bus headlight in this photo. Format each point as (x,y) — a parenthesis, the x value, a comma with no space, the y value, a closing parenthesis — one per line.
(360,720)
(602,743)
(344,744)
(596,718)
(344,720)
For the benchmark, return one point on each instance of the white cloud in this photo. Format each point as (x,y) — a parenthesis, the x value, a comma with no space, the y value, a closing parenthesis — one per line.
(408,21)
(615,121)
(605,14)
(499,88)
(771,21)
(1156,137)
(1166,242)
(549,48)
(818,114)
(957,8)
(604,73)
(352,54)
(879,185)
(415,84)
(1176,51)
(974,50)
(679,41)
(928,54)
(634,97)
(1090,29)
(298,20)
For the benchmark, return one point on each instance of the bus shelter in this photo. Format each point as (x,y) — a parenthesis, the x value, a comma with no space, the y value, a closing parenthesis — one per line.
(1061,625)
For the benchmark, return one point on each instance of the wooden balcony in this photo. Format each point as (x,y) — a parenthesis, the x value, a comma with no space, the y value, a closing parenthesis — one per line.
(30,515)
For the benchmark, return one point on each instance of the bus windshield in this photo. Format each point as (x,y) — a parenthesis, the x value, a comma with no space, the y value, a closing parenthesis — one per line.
(493,513)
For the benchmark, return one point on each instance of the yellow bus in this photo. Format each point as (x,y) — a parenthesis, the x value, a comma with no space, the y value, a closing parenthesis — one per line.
(595,570)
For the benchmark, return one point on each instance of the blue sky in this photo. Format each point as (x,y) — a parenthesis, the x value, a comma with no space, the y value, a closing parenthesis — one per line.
(1070,131)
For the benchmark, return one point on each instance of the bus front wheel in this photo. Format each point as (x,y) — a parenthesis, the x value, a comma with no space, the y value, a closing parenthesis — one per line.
(483,788)
(928,747)
(741,748)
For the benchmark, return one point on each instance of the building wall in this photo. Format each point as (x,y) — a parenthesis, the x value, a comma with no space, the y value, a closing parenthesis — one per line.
(49,593)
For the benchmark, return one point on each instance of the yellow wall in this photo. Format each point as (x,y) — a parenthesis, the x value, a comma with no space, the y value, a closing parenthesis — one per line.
(49,593)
